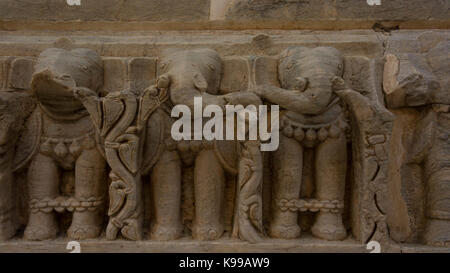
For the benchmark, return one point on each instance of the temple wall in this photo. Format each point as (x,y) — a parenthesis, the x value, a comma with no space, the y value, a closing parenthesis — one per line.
(395,56)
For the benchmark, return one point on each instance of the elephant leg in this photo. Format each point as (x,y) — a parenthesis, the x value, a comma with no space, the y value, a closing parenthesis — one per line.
(209,188)
(7,198)
(43,180)
(288,166)
(166,184)
(90,185)
(437,232)
(330,173)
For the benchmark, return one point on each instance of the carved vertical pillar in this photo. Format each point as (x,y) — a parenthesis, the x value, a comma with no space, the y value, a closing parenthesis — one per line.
(371,132)
(248,224)
(120,118)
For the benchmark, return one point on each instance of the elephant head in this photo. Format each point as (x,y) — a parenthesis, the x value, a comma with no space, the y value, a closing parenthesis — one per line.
(58,72)
(191,73)
(310,71)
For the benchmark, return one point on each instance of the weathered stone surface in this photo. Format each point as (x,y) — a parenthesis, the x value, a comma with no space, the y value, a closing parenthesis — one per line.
(241,73)
(439,63)
(393,10)
(347,170)
(4,71)
(15,107)
(141,72)
(187,245)
(110,10)
(265,71)
(58,138)
(223,14)
(236,75)
(414,82)
(115,74)
(420,76)
(227,43)
(21,72)
(281,10)
(402,215)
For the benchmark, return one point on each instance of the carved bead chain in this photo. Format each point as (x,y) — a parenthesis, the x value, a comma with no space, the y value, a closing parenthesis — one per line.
(61,204)
(313,205)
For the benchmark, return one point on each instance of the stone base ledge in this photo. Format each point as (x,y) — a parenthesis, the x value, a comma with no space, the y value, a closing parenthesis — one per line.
(319,24)
(306,244)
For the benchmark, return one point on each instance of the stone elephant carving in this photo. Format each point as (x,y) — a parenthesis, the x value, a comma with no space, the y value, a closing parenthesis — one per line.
(425,87)
(189,74)
(15,107)
(59,142)
(186,74)
(430,149)
(311,118)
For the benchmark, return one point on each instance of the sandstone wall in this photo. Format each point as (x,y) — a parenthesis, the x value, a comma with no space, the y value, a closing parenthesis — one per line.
(223,14)
(132,37)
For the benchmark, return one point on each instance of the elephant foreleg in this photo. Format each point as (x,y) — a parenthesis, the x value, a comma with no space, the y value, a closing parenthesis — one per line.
(90,185)
(7,198)
(43,180)
(209,181)
(437,232)
(288,167)
(330,173)
(166,184)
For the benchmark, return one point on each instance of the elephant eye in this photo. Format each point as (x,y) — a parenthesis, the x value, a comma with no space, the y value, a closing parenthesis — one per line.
(211,67)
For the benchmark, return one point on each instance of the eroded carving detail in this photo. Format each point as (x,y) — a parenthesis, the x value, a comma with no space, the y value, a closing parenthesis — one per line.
(330,106)
(59,138)
(121,119)
(15,107)
(197,73)
(421,81)
(313,119)
(248,216)
(370,138)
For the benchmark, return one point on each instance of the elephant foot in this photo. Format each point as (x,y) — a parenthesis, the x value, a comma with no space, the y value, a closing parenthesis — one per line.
(207,233)
(166,233)
(284,232)
(41,226)
(329,226)
(438,233)
(85,225)
(7,230)
(82,232)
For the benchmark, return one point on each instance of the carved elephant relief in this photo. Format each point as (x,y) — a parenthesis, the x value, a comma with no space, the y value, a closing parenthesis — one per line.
(76,133)
(59,141)
(15,107)
(312,118)
(189,74)
(420,82)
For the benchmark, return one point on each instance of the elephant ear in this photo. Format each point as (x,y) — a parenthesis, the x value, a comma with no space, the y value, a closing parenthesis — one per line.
(28,143)
(154,138)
